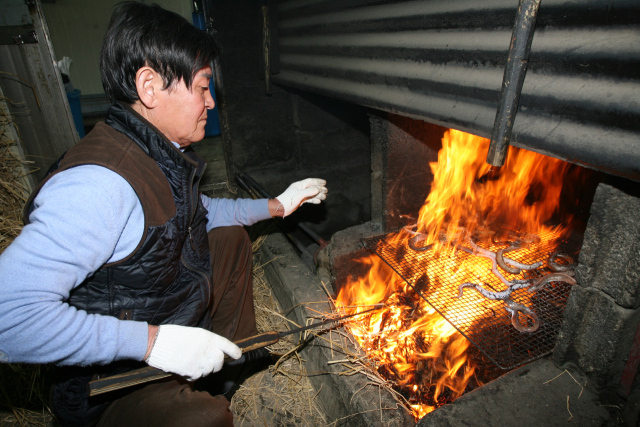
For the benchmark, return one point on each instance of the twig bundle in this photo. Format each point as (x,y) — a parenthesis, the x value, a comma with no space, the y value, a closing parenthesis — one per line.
(409,352)
(24,394)
(344,344)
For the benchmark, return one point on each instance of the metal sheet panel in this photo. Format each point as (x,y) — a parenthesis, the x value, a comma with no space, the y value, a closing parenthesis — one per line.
(442,61)
(37,100)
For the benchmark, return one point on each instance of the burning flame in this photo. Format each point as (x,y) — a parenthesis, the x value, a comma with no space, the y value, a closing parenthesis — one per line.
(524,195)
(409,342)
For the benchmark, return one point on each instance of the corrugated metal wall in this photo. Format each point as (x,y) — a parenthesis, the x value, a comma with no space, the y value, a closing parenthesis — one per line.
(443,60)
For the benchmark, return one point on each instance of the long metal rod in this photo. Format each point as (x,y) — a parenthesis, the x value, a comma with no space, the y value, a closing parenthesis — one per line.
(146,374)
(326,322)
(513,79)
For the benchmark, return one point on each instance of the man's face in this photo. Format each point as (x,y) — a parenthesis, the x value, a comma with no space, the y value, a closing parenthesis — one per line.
(182,113)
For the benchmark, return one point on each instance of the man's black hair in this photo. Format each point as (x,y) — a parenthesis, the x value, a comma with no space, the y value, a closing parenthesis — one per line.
(140,34)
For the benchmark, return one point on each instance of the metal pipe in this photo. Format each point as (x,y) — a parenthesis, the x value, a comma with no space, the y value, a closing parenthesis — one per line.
(514,75)
(246,187)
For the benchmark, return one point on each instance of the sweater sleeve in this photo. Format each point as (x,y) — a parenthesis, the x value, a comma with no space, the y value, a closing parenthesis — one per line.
(226,212)
(80,222)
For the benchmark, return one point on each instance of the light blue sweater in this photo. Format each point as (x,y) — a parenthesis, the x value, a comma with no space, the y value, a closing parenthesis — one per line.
(83,218)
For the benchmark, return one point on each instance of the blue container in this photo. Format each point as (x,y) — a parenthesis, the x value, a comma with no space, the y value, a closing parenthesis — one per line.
(198,20)
(76,111)
(212,127)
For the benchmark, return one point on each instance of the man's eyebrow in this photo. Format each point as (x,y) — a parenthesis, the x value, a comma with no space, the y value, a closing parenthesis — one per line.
(206,75)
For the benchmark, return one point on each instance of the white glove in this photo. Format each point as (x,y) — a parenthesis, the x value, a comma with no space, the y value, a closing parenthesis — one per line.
(310,190)
(190,352)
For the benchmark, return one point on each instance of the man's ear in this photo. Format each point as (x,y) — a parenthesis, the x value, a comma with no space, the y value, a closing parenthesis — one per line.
(148,85)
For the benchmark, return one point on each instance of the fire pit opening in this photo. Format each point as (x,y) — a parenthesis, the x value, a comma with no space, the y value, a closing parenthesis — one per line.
(474,265)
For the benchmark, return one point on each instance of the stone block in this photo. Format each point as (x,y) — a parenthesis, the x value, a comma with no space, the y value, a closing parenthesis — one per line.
(596,336)
(524,397)
(345,250)
(610,256)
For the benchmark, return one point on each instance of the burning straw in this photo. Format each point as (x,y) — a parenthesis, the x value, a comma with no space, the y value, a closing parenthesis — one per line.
(406,349)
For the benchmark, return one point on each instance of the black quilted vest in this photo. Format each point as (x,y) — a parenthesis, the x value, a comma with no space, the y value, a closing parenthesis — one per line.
(166,280)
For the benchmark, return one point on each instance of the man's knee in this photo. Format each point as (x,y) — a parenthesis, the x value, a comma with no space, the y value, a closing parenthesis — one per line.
(231,235)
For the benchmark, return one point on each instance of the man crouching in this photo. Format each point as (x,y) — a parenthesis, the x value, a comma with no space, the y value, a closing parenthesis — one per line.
(118,240)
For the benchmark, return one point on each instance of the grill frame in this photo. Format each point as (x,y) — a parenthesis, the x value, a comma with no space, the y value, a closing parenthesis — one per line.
(493,334)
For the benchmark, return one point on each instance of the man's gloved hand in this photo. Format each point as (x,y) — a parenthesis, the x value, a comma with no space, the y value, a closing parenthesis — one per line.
(190,352)
(310,190)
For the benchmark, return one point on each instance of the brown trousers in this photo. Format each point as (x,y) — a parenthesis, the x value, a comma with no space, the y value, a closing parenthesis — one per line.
(174,402)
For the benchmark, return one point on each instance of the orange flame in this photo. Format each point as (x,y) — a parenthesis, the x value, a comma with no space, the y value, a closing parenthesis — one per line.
(408,340)
(525,194)
(410,343)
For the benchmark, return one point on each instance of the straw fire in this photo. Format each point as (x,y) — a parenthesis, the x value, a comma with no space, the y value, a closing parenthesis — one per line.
(465,215)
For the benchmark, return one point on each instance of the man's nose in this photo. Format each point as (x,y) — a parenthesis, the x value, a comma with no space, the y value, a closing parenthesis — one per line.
(209,103)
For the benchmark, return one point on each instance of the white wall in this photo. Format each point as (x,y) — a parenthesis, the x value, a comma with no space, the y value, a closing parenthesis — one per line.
(77,28)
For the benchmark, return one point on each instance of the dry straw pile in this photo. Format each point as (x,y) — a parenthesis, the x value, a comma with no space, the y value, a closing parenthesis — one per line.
(22,387)
(13,191)
(281,395)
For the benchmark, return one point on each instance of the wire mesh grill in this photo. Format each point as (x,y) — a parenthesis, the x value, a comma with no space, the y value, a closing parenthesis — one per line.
(484,322)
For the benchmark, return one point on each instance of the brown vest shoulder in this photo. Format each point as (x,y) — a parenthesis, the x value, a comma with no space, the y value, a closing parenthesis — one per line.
(105,146)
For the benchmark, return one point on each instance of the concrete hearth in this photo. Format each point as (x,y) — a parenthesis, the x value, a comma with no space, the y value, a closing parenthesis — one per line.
(529,395)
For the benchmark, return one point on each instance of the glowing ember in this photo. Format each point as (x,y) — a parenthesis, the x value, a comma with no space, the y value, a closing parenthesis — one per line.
(410,343)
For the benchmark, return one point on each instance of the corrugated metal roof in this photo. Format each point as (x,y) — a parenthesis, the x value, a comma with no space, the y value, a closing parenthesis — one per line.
(443,60)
